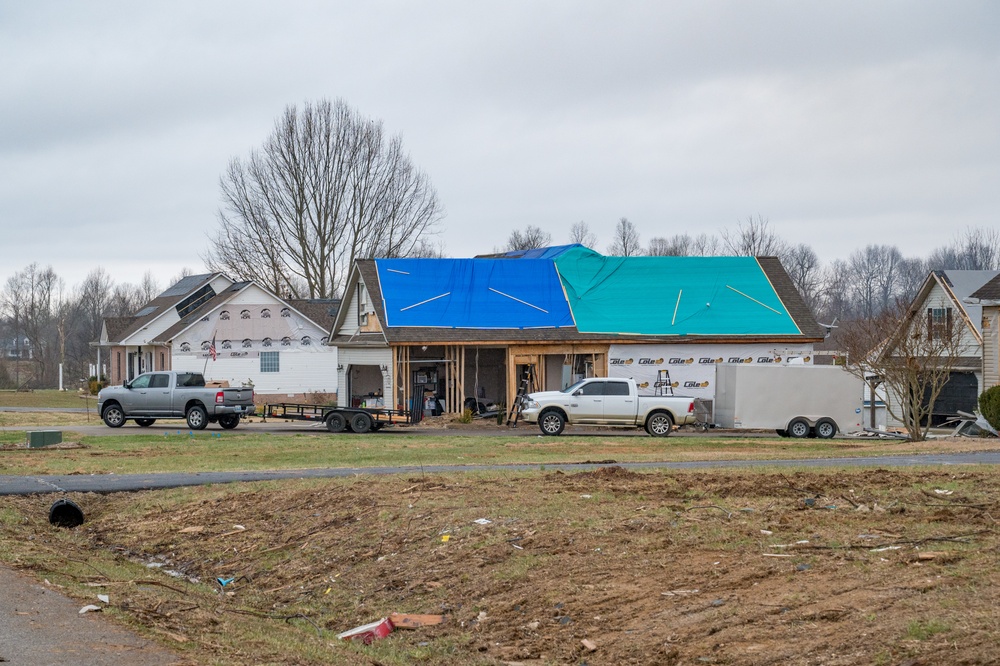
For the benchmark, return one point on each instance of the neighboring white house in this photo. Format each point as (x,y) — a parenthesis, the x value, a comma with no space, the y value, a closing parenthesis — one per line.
(277,345)
(944,299)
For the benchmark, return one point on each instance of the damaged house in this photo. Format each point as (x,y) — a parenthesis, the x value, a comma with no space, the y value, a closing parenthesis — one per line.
(475,332)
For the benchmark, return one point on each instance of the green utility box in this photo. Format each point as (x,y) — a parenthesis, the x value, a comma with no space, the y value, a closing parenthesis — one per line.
(40,438)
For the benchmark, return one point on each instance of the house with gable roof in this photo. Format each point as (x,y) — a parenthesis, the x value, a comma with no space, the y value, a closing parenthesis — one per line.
(277,345)
(468,330)
(951,300)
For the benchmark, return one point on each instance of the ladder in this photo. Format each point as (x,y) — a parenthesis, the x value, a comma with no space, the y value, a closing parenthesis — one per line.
(526,386)
(663,386)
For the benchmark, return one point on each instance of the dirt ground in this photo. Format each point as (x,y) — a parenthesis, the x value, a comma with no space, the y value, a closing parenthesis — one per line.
(605,567)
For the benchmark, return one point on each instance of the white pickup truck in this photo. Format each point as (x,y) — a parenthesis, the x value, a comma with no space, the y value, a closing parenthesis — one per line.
(602,401)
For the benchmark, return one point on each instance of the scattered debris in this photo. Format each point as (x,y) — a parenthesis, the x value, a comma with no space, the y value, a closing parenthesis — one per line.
(412,621)
(589,645)
(482,521)
(368,633)
(90,607)
(105,598)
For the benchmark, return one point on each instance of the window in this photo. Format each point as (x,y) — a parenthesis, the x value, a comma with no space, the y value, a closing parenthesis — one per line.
(269,362)
(616,388)
(593,388)
(190,379)
(938,323)
(141,382)
(362,306)
(159,381)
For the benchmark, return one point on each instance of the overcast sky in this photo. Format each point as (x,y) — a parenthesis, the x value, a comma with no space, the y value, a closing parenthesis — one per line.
(843,123)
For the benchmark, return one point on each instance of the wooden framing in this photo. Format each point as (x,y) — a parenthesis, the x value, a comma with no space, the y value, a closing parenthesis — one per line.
(522,354)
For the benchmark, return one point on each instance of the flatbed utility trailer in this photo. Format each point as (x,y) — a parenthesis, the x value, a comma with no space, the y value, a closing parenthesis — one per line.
(338,419)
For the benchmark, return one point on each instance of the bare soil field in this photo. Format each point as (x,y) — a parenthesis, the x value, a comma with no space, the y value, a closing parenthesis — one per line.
(602,567)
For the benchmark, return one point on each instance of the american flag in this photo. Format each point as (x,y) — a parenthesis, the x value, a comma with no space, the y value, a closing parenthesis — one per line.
(211,348)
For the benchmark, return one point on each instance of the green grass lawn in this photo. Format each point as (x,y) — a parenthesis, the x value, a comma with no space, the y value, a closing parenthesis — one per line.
(48,398)
(244,449)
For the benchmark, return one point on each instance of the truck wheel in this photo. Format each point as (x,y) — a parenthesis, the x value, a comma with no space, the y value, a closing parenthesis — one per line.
(361,422)
(145,423)
(798,428)
(335,422)
(551,423)
(229,421)
(826,428)
(197,418)
(659,424)
(113,416)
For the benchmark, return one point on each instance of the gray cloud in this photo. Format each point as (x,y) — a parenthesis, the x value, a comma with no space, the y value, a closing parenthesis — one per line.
(843,123)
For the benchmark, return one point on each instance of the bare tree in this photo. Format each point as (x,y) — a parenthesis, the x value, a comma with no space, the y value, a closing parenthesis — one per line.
(626,240)
(581,233)
(753,237)
(803,268)
(973,249)
(529,239)
(875,278)
(910,353)
(704,245)
(327,187)
(678,245)
(28,301)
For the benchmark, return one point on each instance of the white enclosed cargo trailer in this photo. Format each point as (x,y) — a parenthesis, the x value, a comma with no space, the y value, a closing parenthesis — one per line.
(794,400)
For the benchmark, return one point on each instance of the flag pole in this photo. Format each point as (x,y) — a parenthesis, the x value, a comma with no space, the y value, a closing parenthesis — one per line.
(211,352)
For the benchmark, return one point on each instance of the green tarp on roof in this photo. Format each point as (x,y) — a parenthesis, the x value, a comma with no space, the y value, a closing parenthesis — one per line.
(671,295)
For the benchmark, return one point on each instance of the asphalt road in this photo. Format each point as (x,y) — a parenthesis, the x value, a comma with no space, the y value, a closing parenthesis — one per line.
(109,483)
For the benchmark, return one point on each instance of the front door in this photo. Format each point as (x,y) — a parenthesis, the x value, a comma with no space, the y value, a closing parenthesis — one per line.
(589,403)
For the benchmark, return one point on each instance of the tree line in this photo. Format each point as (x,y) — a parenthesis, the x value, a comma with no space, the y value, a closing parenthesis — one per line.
(872,280)
(44,324)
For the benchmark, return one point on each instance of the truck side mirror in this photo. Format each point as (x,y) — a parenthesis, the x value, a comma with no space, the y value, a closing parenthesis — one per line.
(578,392)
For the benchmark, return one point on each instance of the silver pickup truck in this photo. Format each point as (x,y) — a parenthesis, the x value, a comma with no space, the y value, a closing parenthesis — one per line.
(173,395)
(603,401)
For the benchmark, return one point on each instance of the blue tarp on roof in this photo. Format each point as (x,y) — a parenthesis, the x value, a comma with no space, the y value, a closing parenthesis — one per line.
(472,293)
(672,295)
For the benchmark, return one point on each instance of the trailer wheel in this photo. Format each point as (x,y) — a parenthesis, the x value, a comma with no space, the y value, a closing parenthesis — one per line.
(798,428)
(659,424)
(229,421)
(197,418)
(335,422)
(145,423)
(551,423)
(361,422)
(826,428)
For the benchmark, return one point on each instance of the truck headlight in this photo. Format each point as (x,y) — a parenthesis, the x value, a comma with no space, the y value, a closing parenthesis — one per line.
(531,404)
